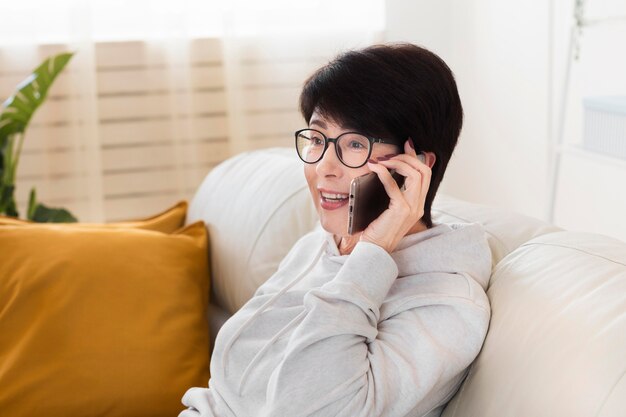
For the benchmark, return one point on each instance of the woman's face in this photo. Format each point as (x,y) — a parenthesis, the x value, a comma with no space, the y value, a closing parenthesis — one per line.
(329,177)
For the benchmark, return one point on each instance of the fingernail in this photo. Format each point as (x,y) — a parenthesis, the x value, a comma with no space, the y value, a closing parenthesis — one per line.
(411,144)
(391,155)
(382,158)
(371,161)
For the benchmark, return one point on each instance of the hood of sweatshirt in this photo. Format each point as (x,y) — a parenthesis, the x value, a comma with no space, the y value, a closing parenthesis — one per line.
(445,247)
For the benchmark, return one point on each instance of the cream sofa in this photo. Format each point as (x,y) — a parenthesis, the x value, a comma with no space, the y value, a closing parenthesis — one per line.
(556,345)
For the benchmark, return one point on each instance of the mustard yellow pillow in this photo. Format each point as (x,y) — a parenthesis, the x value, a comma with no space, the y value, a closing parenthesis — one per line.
(105,321)
(167,222)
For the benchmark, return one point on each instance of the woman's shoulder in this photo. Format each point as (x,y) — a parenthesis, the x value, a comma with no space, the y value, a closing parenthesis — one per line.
(448,264)
(455,248)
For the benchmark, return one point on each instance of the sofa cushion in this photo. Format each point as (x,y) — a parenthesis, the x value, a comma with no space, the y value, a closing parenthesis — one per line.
(167,222)
(256,205)
(557,335)
(101,320)
(505,229)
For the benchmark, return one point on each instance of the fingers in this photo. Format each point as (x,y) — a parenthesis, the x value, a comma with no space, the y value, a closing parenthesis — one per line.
(391,187)
(417,173)
(403,164)
(416,182)
(415,161)
(407,164)
(408,148)
(410,157)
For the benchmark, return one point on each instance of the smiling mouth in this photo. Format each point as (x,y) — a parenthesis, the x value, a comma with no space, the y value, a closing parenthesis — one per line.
(333,201)
(333,197)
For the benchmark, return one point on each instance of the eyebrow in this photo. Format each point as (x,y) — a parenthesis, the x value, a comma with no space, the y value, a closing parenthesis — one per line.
(319,123)
(323,125)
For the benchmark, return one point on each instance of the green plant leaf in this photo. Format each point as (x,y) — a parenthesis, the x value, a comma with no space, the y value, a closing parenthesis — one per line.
(4,154)
(16,113)
(7,203)
(32,204)
(43,214)
(18,109)
(2,142)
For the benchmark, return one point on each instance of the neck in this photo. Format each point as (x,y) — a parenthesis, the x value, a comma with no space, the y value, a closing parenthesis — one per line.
(345,244)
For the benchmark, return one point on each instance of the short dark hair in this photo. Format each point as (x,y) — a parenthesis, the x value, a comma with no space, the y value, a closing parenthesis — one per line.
(395,91)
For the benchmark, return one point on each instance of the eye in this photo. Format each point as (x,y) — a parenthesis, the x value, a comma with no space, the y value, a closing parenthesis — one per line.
(317,140)
(355,144)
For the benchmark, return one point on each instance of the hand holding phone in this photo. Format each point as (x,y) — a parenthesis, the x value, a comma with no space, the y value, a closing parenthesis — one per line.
(368,199)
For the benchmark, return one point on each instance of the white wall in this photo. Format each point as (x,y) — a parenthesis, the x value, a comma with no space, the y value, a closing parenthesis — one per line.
(499,56)
(509,80)
(424,22)
(591,192)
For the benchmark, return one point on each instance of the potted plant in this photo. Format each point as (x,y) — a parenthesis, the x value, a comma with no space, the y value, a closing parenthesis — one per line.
(16,113)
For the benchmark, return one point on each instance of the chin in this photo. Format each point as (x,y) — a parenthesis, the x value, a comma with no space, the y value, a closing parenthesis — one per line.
(333,226)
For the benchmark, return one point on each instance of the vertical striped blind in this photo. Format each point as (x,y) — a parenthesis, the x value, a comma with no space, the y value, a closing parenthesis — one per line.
(159,124)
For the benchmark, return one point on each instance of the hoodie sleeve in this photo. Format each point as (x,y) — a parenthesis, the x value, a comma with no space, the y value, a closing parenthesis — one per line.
(341,361)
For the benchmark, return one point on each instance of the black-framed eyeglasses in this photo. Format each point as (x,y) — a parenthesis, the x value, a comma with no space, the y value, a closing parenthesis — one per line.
(353,149)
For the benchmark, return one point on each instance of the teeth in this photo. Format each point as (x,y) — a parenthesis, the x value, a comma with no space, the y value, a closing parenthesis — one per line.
(334,196)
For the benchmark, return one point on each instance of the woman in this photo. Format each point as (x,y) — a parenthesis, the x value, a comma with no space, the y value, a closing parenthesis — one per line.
(385,322)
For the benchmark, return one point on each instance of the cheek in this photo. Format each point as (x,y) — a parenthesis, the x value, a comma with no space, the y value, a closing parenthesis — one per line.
(311,179)
(359,172)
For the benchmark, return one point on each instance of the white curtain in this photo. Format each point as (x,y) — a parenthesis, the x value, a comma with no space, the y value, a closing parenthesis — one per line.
(159,92)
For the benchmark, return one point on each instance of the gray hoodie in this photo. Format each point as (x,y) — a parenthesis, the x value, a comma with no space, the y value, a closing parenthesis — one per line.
(365,334)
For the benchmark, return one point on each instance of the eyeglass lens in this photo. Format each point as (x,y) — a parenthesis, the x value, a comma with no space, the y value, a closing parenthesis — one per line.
(352,148)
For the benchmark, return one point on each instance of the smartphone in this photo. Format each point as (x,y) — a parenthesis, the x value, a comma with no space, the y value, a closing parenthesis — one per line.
(368,199)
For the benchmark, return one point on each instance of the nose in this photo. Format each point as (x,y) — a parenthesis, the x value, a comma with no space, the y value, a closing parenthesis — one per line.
(329,165)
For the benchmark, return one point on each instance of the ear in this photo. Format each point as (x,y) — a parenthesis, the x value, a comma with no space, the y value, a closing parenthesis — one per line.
(429,158)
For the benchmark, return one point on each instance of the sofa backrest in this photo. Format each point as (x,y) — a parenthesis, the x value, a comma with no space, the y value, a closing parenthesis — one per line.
(256,205)
(505,229)
(556,345)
